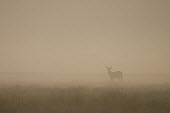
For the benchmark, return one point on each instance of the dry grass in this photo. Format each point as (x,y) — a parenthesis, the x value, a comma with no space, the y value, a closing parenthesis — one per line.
(22,99)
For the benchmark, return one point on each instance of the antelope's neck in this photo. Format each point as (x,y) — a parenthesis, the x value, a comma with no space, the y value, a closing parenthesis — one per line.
(109,71)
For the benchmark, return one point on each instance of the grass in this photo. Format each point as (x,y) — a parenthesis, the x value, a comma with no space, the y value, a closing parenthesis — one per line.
(22,99)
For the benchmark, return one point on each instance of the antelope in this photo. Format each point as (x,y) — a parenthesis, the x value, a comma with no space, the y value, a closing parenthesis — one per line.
(114,75)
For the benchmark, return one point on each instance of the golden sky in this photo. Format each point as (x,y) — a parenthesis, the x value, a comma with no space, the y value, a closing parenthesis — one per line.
(83,36)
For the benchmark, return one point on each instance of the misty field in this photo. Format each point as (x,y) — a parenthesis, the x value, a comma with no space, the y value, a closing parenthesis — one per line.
(84,94)
(22,99)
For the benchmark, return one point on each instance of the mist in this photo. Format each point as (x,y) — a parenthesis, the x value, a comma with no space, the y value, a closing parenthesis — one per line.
(84,36)
(84,56)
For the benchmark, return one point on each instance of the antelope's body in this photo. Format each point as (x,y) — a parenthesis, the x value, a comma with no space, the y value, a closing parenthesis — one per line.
(114,75)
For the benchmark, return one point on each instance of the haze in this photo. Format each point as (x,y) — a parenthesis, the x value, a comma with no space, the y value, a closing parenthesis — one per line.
(83,36)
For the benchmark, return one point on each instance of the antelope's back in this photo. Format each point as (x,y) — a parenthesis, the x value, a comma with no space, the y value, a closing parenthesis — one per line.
(116,75)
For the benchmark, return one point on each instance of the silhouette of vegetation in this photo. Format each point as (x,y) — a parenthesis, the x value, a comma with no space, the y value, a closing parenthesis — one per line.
(22,99)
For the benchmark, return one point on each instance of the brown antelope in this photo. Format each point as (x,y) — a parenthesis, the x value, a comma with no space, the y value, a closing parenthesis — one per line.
(114,75)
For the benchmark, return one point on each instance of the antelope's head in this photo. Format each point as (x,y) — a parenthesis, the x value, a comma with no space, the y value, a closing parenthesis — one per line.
(109,68)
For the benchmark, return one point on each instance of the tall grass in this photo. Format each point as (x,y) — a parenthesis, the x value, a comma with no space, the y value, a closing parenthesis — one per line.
(22,99)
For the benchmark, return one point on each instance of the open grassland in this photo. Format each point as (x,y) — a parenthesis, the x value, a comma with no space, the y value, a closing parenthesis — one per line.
(32,99)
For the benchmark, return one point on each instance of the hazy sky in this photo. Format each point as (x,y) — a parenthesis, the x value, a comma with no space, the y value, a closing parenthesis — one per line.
(85,35)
